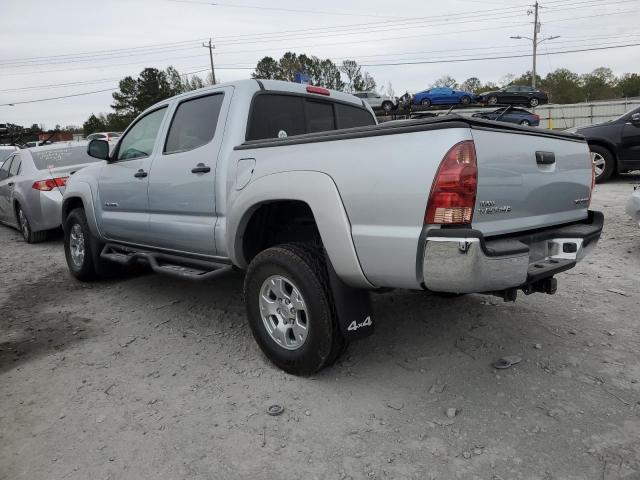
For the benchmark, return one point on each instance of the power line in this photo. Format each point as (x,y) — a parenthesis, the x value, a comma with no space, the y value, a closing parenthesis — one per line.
(57,98)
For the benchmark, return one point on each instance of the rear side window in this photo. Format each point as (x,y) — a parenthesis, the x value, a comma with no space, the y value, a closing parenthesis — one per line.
(349,117)
(276,116)
(319,117)
(194,123)
(15,166)
(61,157)
(281,116)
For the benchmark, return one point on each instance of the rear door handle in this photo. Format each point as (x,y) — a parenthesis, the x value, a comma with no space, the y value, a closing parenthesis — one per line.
(545,158)
(201,168)
(140,174)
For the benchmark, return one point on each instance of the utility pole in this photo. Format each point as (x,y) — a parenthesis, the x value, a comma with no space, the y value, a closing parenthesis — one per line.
(210,46)
(536,29)
(534,40)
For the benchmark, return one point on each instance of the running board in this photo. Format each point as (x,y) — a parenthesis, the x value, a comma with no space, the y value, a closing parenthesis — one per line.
(197,270)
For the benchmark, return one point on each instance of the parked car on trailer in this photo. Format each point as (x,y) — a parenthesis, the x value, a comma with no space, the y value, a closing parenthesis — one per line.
(443,96)
(32,182)
(378,101)
(268,177)
(614,145)
(511,114)
(515,95)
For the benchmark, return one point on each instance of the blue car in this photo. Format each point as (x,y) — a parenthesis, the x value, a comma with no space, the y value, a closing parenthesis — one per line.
(511,115)
(443,96)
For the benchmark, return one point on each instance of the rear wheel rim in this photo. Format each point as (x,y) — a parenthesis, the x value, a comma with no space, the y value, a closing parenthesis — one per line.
(76,245)
(284,312)
(466,100)
(524,122)
(599,164)
(24,224)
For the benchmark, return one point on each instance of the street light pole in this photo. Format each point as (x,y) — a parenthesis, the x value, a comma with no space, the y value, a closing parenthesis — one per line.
(534,41)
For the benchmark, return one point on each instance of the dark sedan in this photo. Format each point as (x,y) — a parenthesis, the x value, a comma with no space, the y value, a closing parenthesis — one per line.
(614,145)
(515,95)
(511,115)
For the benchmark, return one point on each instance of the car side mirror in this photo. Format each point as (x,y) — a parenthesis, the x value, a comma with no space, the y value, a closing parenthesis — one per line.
(635,119)
(98,149)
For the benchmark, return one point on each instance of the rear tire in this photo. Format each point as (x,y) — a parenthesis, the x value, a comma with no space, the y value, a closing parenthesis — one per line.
(387,106)
(25,228)
(492,100)
(465,100)
(604,162)
(82,250)
(285,288)
(526,123)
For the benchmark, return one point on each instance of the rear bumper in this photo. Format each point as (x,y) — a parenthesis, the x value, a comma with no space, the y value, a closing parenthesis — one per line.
(46,211)
(463,261)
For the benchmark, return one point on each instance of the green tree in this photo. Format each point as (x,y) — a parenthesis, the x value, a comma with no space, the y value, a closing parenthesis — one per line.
(599,84)
(563,86)
(95,123)
(357,80)
(267,69)
(629,85)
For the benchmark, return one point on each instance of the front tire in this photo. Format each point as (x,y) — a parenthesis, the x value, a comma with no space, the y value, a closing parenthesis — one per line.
(426,102)
(534,102)
(290,308)
(387,106)
(82,250)
(25,228)
(492,100)
(603,162)
(465,100)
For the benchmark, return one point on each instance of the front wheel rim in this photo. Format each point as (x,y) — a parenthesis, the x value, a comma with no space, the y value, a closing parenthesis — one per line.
(493,100)
(599,163)
(284,312)
(76,245)
(534,102)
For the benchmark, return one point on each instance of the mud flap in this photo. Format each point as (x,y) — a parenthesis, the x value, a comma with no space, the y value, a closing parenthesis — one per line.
(353,306)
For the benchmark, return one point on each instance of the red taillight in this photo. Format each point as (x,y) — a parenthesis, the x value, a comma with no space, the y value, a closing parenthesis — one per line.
(536,116)
(453,194)
(318,90)
(49,184)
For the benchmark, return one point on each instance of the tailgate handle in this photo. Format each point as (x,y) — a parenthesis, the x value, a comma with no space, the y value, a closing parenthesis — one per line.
(545,158)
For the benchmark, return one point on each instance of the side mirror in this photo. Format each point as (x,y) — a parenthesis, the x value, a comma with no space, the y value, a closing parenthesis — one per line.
(98,149)
(635,119)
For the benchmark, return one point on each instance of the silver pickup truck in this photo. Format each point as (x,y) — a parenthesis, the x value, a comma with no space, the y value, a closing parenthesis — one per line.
(299,187)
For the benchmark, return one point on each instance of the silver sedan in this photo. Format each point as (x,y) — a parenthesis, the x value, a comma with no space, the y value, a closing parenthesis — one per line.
(32,182)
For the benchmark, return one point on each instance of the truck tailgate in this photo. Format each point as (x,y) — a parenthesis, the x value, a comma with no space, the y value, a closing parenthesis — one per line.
(529,180)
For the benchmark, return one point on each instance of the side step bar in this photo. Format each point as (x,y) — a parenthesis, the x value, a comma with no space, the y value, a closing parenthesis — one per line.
(197,270)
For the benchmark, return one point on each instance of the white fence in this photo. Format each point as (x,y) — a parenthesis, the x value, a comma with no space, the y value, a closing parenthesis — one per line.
(578,114)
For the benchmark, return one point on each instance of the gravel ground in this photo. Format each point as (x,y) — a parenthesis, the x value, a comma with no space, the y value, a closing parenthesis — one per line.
(149,377)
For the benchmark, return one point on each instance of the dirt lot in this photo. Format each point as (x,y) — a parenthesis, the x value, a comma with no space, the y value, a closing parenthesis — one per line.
(154,378)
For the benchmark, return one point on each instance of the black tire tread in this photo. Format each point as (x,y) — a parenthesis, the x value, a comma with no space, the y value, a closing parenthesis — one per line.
(310,258)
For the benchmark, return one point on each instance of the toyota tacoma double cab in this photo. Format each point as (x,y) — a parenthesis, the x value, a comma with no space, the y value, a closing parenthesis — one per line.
(298,187)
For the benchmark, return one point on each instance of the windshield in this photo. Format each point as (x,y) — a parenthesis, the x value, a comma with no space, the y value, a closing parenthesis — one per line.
(62,157)
(624,115)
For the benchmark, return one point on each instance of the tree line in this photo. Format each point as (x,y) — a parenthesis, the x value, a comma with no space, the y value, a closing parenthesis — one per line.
(152,85)
(562,85)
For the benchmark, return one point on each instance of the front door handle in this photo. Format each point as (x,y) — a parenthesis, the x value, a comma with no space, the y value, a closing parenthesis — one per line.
(140,174)
(201,168)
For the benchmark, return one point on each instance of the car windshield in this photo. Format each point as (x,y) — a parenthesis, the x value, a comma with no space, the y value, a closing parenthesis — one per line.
(62,157)
(630,112)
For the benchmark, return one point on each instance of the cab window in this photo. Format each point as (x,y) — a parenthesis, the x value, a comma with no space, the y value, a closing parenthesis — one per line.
(4,170)
(138,142)
(15,166)
(194,123)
